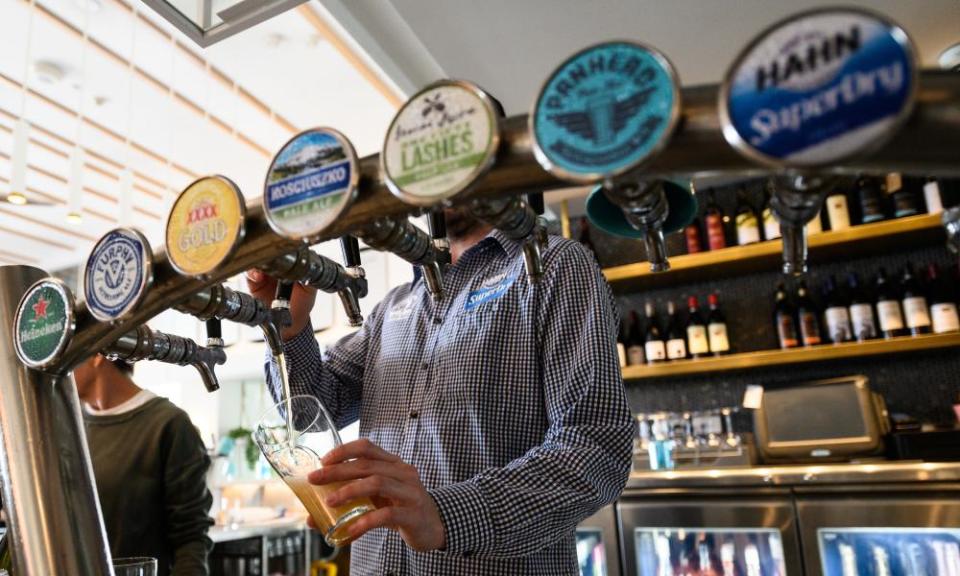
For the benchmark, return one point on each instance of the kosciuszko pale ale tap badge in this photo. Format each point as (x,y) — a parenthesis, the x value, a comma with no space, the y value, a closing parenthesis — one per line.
(440,143)
(117,274)
(205,226)
(44,323)
(819,87)
(311,181)
(605,111)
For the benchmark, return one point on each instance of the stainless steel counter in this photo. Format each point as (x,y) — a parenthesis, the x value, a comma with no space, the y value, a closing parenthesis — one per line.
(857,473)
(253,530)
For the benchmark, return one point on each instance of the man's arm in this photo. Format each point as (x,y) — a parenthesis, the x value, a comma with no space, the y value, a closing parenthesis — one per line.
(187,499)
(584,460)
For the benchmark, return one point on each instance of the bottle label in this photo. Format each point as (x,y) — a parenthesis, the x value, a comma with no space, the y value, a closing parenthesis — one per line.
(635,355)
(622,354)
(692,234)
(894,182)
(205,224)
(820,87)
(905,204)
(931,193)
(676,349)
(787,331)
(655,350)
(837,212)
(838,323)
(604,111)
(861,316)
(870,206)
(771,227)
(945,317)
(748,229)
(697,338)
(715,236)
(310,183)
(809,329)
(717,332)
(117,274)
(916,311)
(891,318)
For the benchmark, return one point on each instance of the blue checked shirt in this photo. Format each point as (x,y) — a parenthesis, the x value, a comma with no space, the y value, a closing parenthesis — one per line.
(507,398)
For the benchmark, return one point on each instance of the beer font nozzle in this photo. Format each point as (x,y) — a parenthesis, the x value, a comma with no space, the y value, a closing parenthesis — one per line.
(517,220)
(146,344)
(795,200)
(350,295)
(222,303)
(644,208)
(279,316)
(410,243)
(437,223)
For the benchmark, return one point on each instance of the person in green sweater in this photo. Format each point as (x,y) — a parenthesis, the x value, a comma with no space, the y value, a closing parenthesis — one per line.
(150,467)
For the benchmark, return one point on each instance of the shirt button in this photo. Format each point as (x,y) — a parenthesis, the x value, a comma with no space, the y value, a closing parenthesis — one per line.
(437,320)
(414,414)
(424,366)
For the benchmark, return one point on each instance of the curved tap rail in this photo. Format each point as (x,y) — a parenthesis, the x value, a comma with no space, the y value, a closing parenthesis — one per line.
(927,144)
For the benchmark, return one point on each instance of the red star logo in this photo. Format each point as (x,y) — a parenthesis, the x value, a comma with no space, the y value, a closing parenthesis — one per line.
(40,309)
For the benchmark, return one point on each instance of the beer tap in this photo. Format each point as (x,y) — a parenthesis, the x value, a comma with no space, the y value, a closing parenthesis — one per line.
(280,313)
(146,344)
(222,303)
(646,209)
(350,296)
(437,224)
(410,243)
(517,220)
(796,200)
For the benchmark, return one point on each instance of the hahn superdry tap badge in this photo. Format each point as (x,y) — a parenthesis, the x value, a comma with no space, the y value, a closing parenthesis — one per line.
(44,323)
(440,142)
(204,226)
(117,274)
(820,87)
(605,111)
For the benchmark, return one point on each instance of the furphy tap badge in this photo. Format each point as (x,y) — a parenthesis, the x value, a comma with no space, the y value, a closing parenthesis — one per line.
(204,226)
(605,112)
(44,323)
(311,181)
(440,142)
(820,87)
(117,274)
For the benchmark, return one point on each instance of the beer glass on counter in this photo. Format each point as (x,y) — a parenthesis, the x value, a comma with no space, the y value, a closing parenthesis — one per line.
(294,448)
(135,566)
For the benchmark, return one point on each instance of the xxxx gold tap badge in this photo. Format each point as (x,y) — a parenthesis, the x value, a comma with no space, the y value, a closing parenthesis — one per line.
(44,323)
(440,142)
(205,226)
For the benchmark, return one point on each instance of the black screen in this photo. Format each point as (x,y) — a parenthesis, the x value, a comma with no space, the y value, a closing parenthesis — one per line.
(820,412)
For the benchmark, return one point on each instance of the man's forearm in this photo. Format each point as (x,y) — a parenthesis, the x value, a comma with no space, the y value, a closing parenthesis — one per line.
(190,559)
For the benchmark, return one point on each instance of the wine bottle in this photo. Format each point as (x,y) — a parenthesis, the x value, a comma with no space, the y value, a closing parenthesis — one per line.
(807,316)
(622,344)
(836,313)
(943,310)
(771,227)
(783,319)
(861,310)
(837,212)
(698,345)
(871,201)
(888,306)
(915,310)
(717,327)
(932,197)
(676,338)
(905,200)
(692,235)
(713,218)
(635,355)
(748,225)
(655,348)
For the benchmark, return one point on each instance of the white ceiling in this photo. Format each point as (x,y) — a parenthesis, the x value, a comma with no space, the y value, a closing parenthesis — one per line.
(510,46)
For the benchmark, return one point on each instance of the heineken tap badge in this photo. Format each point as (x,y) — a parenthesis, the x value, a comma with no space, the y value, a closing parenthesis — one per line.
(44,323)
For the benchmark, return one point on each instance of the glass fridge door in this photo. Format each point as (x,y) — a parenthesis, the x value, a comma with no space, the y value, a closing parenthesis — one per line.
(889,551)
(709,552)
(591,553)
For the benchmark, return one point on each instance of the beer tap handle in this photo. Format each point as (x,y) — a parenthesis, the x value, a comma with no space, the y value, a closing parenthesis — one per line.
(350,247)
(410,243)
(214,332)
(146,344)
(437,223)
(349,295)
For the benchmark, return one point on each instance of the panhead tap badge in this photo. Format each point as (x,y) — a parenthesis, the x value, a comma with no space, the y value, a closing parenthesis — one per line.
(310,183)
(605,111)
(818,88)
(44,323)
(117,275)
(440,142)
(204,226)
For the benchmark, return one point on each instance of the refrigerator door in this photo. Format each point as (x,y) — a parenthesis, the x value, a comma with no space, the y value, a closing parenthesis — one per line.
(597,551)
(729,536)
(883,532)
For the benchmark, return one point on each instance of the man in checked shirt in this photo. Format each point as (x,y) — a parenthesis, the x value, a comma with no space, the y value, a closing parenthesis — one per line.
(492,421)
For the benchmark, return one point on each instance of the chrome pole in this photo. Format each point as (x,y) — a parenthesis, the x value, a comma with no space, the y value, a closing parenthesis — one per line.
(48,486)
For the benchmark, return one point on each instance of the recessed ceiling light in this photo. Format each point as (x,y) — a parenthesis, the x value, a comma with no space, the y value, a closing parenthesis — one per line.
(16,198)
(950,58)
(74,218)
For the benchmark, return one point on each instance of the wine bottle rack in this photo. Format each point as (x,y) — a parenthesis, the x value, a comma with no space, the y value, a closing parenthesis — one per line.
(822,353)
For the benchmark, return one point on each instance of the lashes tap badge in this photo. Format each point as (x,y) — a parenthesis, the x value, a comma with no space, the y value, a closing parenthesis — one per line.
(205,226)
(44,323)
(117,274)
(311,181)
(819,87)
(605,111)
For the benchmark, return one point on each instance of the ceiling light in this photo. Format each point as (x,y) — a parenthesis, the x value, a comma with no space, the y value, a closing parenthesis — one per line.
(950,58)
(90,5)
(74,218)
(49,72)
(16,198)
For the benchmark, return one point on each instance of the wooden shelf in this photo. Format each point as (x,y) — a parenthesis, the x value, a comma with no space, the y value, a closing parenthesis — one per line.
(823,353)
(923,230)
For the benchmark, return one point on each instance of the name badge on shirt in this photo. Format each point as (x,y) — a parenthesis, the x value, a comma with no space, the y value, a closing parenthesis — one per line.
(492,289)
(400,311)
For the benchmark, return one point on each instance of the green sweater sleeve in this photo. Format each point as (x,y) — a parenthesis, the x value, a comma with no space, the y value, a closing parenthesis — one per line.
(187,500)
